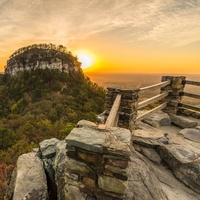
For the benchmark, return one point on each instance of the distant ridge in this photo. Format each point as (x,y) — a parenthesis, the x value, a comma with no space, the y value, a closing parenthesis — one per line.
(41,56)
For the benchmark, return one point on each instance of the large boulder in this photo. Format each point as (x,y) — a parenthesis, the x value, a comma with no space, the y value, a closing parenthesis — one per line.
(184,163)
(149,136)
(183,122)
(28,179)
(158,119)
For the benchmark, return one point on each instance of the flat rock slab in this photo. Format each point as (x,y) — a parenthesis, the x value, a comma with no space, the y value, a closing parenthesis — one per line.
(183,122)
(191,134)
(158,119)
(146,131)
(150,142)
(113,141)
(86,138)
(148,136)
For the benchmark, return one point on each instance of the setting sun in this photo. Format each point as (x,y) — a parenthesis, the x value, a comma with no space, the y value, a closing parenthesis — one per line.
(85,58)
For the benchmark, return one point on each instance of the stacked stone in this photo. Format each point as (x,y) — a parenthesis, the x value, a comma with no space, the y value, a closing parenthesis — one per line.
(111,94)
(176,89)
(98,162)
(128,106)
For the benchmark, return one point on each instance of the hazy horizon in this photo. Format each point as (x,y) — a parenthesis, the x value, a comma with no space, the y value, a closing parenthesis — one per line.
(106,79)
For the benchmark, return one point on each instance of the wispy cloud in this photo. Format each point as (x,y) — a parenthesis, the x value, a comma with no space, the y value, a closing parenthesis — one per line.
(166,23)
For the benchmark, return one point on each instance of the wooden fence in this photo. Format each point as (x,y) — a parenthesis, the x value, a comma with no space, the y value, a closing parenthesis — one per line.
(191,95)
(153,100)
(171,93)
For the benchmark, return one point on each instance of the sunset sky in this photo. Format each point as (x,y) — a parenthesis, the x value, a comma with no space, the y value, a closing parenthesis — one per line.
(133,36)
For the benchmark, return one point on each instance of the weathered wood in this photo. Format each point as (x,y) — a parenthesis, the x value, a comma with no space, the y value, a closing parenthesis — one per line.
(146,114)
(192,83)
(152,100)
(156,85)
(189,107)
(113,113)
(196,96)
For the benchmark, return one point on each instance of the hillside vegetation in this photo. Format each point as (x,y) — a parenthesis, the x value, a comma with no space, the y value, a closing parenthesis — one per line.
(40,104)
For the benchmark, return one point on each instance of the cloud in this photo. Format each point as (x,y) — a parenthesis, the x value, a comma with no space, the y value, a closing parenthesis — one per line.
(168,23)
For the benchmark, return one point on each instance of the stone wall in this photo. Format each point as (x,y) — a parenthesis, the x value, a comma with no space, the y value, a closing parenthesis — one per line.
(98,162)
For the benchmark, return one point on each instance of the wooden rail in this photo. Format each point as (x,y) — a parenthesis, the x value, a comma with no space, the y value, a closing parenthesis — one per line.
(196,96)
(165,83)
(146,114)
(187,94)
(183,105)
(192,83)
(110,122)
(152,99)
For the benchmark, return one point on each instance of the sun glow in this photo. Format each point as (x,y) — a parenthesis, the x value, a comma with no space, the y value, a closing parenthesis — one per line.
(85,58)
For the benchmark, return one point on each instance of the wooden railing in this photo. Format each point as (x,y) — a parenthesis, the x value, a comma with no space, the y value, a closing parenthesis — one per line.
(112,119)
(153,100)
(171,92)
(165,83)
(191,95)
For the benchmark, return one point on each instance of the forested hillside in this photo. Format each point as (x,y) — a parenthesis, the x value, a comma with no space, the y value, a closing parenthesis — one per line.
(40,104)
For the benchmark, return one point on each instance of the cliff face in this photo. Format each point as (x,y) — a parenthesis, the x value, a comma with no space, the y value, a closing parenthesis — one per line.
(40,57)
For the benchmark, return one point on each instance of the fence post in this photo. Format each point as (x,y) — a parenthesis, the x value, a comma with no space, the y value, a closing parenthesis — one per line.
(128,108)
(175,89)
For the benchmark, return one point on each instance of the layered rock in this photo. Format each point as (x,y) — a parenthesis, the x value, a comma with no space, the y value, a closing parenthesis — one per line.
(42,56)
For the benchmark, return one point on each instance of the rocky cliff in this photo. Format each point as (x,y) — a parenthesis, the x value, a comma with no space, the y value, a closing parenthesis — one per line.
(41,56)
(95,164)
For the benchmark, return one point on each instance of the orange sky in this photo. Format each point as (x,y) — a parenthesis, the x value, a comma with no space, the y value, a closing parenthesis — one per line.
(127,36)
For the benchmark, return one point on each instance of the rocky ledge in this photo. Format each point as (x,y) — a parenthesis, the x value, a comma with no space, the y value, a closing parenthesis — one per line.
(94,164)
